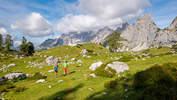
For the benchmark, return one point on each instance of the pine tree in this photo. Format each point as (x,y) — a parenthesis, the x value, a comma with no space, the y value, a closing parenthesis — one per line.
(8,42)
(22,47)
(26,48)
(30,48)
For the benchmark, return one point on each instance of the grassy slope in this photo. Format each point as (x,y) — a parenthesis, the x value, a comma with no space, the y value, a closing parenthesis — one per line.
(75,85)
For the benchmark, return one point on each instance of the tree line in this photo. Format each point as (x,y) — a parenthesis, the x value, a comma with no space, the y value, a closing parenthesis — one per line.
(25,48)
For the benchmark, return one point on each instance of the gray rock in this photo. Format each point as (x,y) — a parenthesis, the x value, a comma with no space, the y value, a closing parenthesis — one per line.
(83,52)
(59,81)
(14,75)
(2,98)
(80,61)
(93,75)
(73,59)
(94,66)
(51,60)
(117,66)
(40,81)
(50,71)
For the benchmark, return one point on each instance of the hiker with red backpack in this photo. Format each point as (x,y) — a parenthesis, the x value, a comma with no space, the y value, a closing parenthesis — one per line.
(65,67)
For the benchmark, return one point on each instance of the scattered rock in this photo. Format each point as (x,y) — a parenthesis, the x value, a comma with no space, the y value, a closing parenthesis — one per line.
(2,99)
(104,93)
(73,59)
(90,89)
(15,75)
(10,65)
(28,75)
(88,56)
(50,86)
(59,81)
(94,66)
(143,59)
(118,66)
(93,75)
(40,81)
(126,90)
(83,52)
(80,61)
(50,71)
(52,60)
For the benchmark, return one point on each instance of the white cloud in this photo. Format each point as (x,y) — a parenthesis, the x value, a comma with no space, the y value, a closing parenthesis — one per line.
(34,25)
(3,31)
(101,13)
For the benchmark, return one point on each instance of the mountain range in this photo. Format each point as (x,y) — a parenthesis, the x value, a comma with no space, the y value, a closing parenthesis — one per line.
(141,35)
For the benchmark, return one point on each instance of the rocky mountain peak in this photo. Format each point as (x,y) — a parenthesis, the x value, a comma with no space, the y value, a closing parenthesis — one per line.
(146,17)
(173,24)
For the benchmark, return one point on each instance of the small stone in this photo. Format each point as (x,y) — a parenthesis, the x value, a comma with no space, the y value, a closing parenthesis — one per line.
(40,81)
(104,93)
(50,71)
(90,89)
(59,81)
(79,61)
(50,86)
(93,75)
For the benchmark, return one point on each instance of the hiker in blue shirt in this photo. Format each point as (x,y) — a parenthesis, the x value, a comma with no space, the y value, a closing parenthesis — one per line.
(56,69)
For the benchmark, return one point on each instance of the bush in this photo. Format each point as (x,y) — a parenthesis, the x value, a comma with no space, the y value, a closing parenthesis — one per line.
(100,71)
(37,76)
(19,78)
(20,89)
(111,84)
(174,47)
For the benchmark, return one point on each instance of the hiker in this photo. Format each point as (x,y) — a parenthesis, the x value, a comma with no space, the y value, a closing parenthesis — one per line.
(65,67)
(56,69)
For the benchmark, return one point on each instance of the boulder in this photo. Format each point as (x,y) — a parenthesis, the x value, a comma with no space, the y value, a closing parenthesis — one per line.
(118,66)
(94,66)
(15,75)
(10,65)
(51,60)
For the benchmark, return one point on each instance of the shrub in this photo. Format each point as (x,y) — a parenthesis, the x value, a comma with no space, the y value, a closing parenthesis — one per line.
(111,84)
(174,47)
(20,89)
(37,76)
(19,78)
(100,71)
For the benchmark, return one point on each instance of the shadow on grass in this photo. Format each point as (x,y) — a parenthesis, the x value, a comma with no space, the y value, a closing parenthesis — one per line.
(63,95)
(155,83)
(69,73)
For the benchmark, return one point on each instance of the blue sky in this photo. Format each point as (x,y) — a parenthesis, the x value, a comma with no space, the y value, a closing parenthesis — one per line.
(39,20)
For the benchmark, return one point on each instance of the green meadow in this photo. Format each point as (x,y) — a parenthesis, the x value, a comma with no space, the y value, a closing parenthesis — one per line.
(79,85)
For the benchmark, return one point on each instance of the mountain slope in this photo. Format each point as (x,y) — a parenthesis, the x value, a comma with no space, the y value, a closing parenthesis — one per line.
(74,38)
